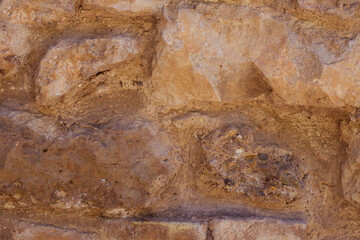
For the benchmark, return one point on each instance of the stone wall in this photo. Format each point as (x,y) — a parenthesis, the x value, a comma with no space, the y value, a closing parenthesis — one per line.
(160,119)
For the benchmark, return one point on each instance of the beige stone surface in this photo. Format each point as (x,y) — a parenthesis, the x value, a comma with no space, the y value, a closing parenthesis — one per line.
(343,8)
(253,229)
(206,119)
(237,44)
(350,182)
(265,172)
(119,171)
(14,47)
(132,6)
(124,229)
(33,231)
(37,12)
(66,66)
(243,44)
(341,80)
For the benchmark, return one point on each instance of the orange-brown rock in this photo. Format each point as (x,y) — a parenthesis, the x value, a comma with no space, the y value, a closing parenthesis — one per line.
(67,67)
(240,44)
(343,8)
(131,6)
(154,230)
(31,231)
(118,169)
(14,47)
(252,229)
(159,119)
(240,54)
(37,12)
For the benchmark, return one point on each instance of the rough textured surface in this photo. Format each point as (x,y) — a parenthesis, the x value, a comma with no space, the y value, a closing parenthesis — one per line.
(66,67)
(31,231)
(249,52)
(252,229)
(219,119)
(131,6)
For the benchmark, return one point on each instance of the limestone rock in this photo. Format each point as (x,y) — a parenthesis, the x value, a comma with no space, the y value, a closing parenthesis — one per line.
(343,8)
(40,124)
(71,64)
(252,229)
(14,47)
(33,231)
(124,229)
(350,181)
(341,80)
(121,6)
(295,59)
(37,12)
(205,119)
(236,44)
(249,169)
(128,165)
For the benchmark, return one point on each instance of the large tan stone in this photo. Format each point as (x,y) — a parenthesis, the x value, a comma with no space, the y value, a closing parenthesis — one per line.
(123,6)
(118,170)
(36,12)
(342,8)
(139,119)
(254,229)
(14,47)
(33,231)
(242,53)
(72,63)
(350,170)
(236,44)
(128,230)
(340,80)
(266,173)
(40,124)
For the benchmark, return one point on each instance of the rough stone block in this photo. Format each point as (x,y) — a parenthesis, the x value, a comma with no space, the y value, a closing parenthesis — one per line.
(253,229)
(131,230)
(33,231)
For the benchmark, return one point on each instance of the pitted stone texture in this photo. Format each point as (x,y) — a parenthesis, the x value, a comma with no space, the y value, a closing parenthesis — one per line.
(14,47)
(342,8)
(341,79)
(254,229)
(247,169)
(233,41)
(132,6)
(34,231)
(40,124)
(129,230)
(351,168)
(116,169)
(34,12)
(303,63)
(71,64)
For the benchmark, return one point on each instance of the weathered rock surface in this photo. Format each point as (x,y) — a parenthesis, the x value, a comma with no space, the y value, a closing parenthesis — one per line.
(350,182)
(138,119)
(341,80)
(343,8)
(30,231)
(37,12)
(128,165)
(259,52)
(70,65)
(121,6)
(250,169)
(241,44)
(252,229)
(154,230)
(81,228)
(14,47)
